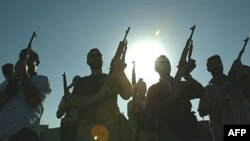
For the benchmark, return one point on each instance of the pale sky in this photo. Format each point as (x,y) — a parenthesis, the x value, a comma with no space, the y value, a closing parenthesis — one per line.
(68,29)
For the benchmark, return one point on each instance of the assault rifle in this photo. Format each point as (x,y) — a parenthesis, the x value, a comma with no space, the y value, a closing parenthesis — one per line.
(134,83)
(65,86)
(135,104)
(29,47)
(243,49)
(121,50)
(120,55)
(232,74)
(186,54)
(12,87)
(64,101)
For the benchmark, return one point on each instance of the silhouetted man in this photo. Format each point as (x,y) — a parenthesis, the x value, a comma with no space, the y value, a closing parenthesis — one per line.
(225,102)
(96,98)
(168,104)
(21,101)
(68,115)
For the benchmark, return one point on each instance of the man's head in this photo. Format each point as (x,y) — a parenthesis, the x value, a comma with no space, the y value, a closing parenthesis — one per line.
(33,60)
(8,70)
(162,65)
(214,64)
(94,59)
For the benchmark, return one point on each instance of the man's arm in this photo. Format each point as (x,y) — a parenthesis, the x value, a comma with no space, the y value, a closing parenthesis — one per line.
(203,108)
(151,101)
(63,106)
(192,89)
(4,98)
(211,106)
(60,112)
(245,80)
(118,81)
(247,86)
(33,93)
(125,87)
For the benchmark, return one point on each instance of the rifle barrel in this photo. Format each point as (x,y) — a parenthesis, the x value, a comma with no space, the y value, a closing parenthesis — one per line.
(126,33)
(133,75)
(29,47)
(243,49)
(191,35)
(190,51)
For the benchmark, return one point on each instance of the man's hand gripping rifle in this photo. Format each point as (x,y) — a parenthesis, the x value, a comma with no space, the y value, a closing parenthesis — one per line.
(117,65)
(12,87)
(29,47)
(185,67)
(120,55)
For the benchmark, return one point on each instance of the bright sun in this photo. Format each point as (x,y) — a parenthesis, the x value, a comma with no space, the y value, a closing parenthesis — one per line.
(144,53)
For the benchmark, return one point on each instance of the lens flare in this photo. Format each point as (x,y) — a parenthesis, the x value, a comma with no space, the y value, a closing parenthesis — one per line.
(157,33)
(100,133)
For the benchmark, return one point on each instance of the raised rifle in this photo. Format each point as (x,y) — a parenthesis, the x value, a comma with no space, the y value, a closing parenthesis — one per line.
(14,82)
(65,86)
(29,47)
(70,113)
(134,82)
(121,50)
(243,49)
(186,57)
(27,55)
(232,74)
(135,104)
(64,101)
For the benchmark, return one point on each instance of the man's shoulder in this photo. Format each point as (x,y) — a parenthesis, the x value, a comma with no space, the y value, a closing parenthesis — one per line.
(3,84)
(104,75)
(42,82)
(40,77)
(155,86)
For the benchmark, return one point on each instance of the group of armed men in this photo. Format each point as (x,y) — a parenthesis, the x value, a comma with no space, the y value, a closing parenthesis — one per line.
(91,113)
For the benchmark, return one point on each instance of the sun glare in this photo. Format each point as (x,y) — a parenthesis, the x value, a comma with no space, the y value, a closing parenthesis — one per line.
(144,54)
